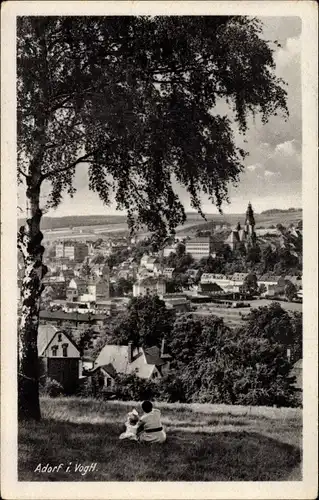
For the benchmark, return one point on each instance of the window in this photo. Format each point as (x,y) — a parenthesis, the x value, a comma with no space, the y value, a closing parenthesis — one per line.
(54,350)
(59,337)
(65,350)
(108,382)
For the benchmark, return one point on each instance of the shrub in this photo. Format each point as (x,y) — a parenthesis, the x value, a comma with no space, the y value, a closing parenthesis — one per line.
(171,389)
(52,388)
(85,388)
(131,387)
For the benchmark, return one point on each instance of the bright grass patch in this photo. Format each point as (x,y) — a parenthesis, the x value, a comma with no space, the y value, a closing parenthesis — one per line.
(205,443)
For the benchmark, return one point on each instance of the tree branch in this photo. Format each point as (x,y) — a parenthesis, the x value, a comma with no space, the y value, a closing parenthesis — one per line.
(23,173)
(82,159)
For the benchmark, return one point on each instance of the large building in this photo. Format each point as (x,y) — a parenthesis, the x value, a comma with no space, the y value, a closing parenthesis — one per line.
(72,251)
(74,321)
(199,247)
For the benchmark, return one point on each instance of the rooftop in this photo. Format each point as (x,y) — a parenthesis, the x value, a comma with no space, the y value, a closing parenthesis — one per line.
(199,239)
(61,315)
(114,359)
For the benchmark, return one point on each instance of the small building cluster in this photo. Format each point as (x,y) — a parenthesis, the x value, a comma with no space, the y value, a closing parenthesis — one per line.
(88,283)
(245,235)
(61,360)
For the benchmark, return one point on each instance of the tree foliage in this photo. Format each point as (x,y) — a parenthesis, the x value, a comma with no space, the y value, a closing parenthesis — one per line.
(133,388)
(250,284)
(249,366)
(132,97)
(145,324)
(290,290)
(98,259)
(277,326)
(122,287)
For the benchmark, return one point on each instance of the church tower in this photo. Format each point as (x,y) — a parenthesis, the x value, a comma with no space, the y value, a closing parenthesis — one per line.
(250,225)
(250,220)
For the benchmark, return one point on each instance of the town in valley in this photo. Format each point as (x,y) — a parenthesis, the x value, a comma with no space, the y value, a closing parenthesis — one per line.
(214,268)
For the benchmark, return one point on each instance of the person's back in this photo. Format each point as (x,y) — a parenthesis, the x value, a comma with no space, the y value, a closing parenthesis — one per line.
(152,420)
(152,430)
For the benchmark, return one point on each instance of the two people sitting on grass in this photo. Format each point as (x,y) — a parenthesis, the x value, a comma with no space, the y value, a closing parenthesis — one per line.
(146,429)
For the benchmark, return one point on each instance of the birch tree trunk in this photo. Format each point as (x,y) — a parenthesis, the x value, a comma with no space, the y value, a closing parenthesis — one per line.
(29,243)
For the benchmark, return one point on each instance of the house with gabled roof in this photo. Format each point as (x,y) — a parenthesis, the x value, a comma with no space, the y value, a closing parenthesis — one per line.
(147,363)
(59,357)
(76,287)
(149,286)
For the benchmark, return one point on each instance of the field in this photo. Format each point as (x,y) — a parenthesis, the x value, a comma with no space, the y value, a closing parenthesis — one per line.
(234,317)
(93,227)
(205,443)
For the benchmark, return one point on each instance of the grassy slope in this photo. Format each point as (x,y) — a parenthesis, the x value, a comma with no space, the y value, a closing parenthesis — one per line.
(205,443)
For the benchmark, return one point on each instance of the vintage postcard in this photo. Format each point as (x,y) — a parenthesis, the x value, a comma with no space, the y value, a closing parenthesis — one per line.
(159,255)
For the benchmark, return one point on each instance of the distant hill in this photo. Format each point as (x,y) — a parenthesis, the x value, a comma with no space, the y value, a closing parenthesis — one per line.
(267,218)
(280,211)
(78,221)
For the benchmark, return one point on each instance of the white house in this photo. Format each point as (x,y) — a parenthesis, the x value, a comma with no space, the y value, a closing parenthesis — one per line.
(149,363)
(149,286)
(168,272)
(59,357)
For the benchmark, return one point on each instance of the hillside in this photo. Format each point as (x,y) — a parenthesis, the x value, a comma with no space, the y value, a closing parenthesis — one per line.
(279,211)
(78,221)
(204,443)
(266,218)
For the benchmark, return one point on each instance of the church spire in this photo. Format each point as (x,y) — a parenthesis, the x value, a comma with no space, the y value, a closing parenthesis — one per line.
(250,220)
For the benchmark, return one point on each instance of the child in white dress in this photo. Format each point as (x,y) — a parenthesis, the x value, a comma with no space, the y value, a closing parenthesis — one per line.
(131,425)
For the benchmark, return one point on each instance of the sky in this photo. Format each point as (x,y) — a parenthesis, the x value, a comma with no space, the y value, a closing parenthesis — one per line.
(272,177)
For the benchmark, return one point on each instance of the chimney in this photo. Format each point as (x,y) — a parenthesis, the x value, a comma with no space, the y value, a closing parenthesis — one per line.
(164,354)
(289,355)
(130,352)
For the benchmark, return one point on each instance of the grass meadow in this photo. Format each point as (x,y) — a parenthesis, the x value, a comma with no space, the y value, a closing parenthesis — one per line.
(204,443)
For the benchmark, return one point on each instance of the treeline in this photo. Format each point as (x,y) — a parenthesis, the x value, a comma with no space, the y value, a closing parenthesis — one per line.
(78,221)
(280,211)
(212,363)
(260,261)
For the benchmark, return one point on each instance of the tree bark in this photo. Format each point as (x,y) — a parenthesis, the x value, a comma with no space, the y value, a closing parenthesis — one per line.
(29,243)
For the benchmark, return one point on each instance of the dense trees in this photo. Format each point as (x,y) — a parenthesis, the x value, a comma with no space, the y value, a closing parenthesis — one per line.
(262,259)
(177,283)
(117,257)
(210,362)
(247,366)
(250,285)
(131,97)
(250,365)
(146,323)
(277,326)
(290,290)
(121,287)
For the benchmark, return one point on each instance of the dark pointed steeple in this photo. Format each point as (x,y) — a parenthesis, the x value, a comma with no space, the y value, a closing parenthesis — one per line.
(250,220)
